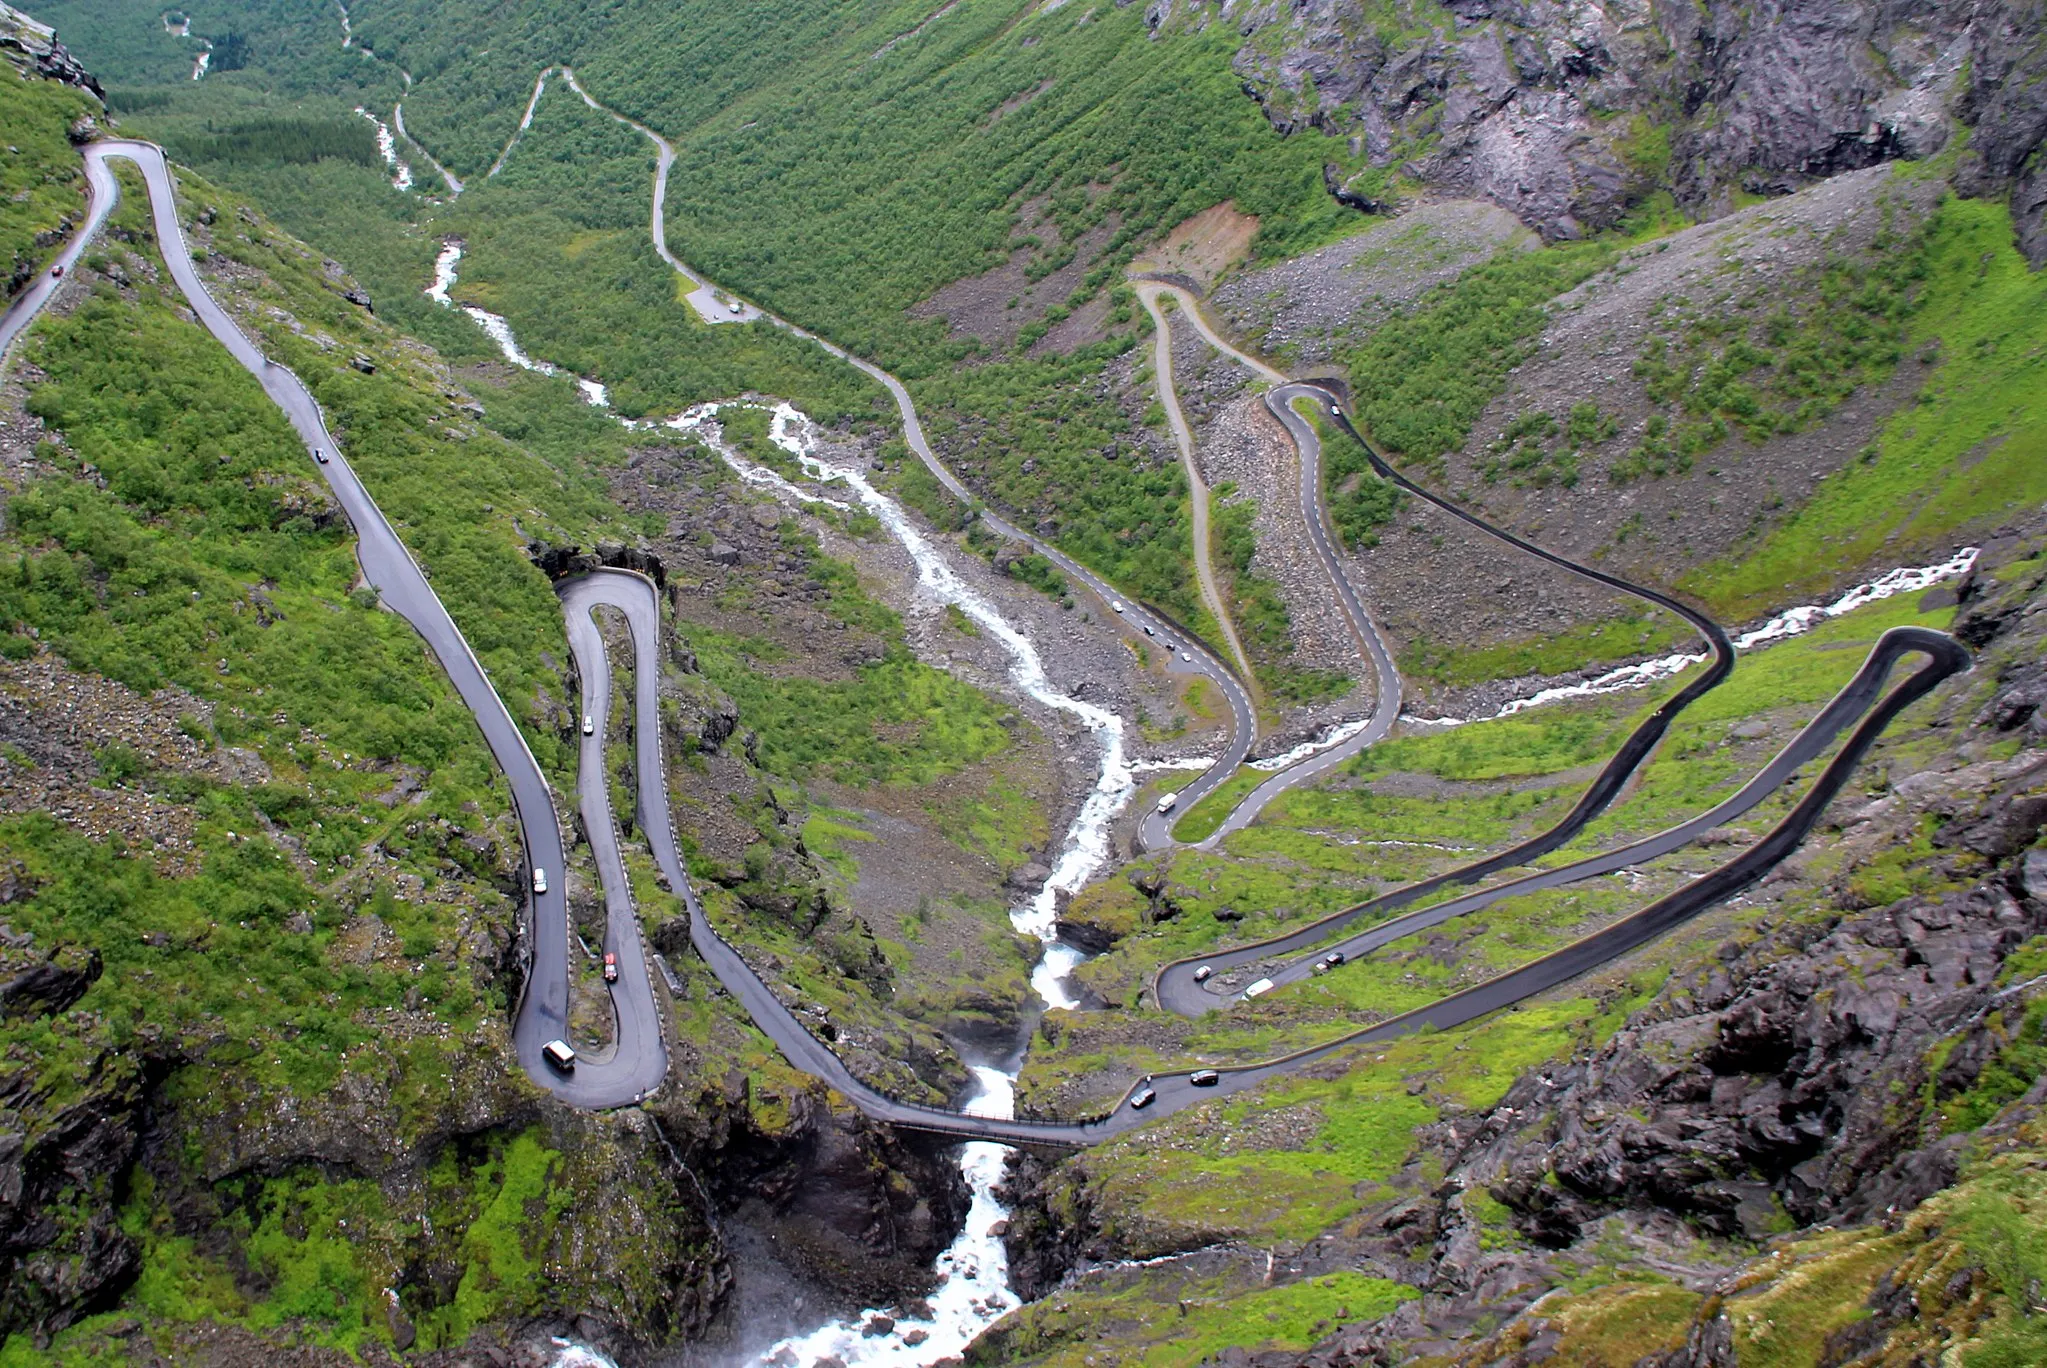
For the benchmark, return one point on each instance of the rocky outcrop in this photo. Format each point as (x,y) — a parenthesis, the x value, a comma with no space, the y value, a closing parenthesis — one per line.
(34,47)
(2007,104)
(863,1208)
(561,562)
(45,987)
(63,1150)
(1866,1032)
(1566,112)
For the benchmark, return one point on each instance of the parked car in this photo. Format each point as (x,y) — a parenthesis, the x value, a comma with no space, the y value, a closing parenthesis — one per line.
(736,307)
(1204,973)
(610,967)
(1204,1078)
(539,879)
(1143,1098)
(559,1054)
(1263,985)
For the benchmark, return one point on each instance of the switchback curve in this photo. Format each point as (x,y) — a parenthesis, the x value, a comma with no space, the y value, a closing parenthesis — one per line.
(641,1057)
(635,596)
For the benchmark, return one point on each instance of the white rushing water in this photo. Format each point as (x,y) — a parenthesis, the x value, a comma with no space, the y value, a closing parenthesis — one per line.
(498,330)
(387,148)
(1910,579)
(972,1274)
(973,1289)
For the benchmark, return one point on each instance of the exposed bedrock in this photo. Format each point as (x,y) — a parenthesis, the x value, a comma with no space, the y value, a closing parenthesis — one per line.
(1566,112)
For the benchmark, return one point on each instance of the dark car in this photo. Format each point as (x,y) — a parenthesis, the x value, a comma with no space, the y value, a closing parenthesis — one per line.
(56,273)
(1204,1078)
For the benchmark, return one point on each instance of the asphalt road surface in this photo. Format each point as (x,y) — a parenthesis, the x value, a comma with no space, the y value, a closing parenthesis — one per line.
(639,1059)
(1174,986)
(389,567)
(636,597)
(1197,488)
(1184,653)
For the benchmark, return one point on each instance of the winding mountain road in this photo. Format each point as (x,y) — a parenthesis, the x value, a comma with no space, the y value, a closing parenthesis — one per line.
(1156,829)
(1185,653)
(1197,486)
(638,1061)
(641,1059)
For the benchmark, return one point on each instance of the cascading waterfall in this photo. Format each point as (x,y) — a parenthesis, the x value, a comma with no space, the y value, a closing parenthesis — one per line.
(498,330)
(973,1273)
(387,148)
(1906,579)
(973,1291)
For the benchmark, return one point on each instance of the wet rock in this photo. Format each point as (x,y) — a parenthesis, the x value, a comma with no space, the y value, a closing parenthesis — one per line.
(49,986)
(1029,877)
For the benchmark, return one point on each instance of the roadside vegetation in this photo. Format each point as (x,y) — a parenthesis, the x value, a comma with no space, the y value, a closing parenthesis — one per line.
(1118,134)
(1261,614)
(42,184)
(1966,451)
(280,869)
(1414,805)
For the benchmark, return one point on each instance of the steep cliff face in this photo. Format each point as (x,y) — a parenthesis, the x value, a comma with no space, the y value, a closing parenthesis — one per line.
(1567,112)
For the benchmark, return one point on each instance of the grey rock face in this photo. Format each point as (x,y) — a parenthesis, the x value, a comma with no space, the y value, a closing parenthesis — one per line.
(1566,112)
(31,46)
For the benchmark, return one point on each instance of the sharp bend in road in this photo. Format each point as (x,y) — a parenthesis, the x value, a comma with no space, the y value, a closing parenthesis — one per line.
(1174,1092)
(1156,830)
(635,596)
(1186,654)
(641,1057)
(1197,487)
